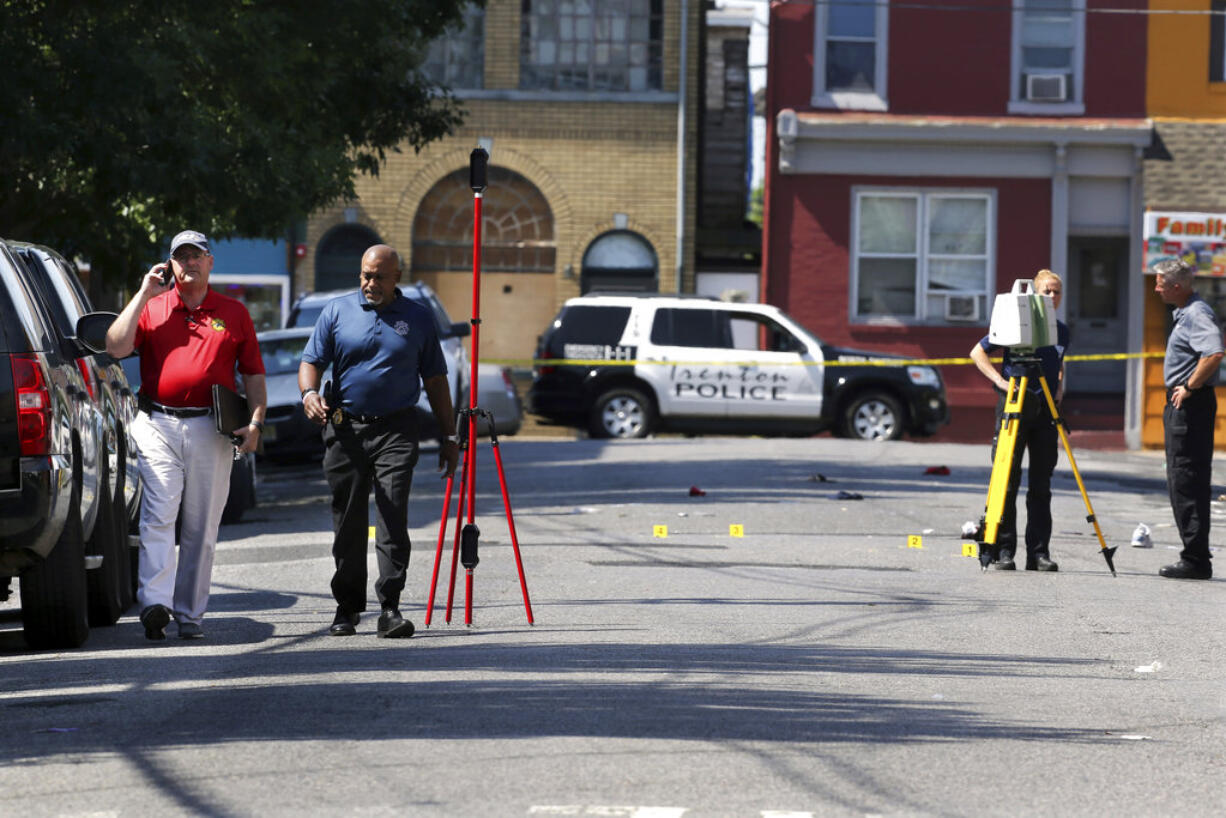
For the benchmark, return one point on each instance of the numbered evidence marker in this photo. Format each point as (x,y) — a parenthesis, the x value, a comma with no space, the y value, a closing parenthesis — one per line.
(736,530)
(915,541)
(970,549)
(659,531)
(370,534)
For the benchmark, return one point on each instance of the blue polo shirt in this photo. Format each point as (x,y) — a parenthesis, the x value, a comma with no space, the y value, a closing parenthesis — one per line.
(1050,360)
(378,357)
(1195,335)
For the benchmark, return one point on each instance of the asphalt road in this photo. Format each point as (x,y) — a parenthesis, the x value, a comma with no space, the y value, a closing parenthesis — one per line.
(818,664)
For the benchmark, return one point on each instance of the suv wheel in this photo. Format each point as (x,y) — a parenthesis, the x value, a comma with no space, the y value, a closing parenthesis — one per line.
(622,412)
(54,608)
(873,416)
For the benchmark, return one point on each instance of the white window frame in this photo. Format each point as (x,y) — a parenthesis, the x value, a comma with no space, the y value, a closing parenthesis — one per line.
(851,100)
(922,255)
(1018,104)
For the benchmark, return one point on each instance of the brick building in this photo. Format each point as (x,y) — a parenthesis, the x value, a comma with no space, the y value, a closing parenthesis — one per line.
(580,107)
(921,157)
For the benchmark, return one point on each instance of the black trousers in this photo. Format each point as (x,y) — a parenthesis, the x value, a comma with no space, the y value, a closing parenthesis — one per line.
(1189,469)
(358,457)
(1036,434)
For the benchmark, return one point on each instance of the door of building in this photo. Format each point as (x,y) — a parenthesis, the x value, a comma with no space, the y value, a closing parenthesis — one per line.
(1096,299)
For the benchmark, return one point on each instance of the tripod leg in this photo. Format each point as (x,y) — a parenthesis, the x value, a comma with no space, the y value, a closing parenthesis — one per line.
(438,551)
(1108,553)
(506,502)
(455,548)
(1002,468)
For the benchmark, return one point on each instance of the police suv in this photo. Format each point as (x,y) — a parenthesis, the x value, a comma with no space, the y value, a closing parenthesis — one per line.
(628,365)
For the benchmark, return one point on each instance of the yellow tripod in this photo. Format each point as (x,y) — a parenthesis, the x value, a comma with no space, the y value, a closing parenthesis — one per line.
(1006,444)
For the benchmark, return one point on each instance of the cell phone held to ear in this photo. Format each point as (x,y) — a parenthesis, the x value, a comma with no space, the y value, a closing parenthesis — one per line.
(168,275)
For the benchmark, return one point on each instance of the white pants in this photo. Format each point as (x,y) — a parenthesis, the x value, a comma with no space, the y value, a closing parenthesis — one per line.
(184,468)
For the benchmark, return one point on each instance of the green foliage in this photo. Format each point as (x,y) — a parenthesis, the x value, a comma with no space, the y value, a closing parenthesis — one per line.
(124,122)
(755,205)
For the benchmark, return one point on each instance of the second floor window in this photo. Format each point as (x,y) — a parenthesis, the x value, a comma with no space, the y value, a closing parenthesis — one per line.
(1048,46)
(591,45)
(457,59)
(1217,42)
(850,54)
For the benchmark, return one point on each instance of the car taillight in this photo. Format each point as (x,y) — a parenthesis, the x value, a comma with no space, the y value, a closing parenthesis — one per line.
(33,405)
(87,372)
(546,370)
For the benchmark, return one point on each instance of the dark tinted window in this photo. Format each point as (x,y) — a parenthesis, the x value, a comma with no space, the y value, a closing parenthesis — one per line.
(691,328)
(31,319)
(582,324)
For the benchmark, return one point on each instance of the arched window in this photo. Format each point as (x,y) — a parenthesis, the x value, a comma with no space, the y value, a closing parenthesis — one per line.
(516,231)
(338,261)
(620,261)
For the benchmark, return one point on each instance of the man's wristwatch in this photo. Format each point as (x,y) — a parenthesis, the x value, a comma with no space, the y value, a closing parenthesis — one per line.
(306,392)
(258,424)
(451,438)
(1188,387)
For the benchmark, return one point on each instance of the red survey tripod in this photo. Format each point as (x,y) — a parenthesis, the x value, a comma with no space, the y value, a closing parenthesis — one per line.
(465,545)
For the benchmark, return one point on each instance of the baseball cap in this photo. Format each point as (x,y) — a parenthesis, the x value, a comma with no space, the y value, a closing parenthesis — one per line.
(192,237)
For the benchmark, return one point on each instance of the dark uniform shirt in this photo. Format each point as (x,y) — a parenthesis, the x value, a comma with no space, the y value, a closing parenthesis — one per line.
(377,355)
(1050,359)
(1194,335)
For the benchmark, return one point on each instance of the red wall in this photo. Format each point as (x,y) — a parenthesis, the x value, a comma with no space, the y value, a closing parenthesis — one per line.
(1115,61)
(810,275)
(958,61)
(953,62)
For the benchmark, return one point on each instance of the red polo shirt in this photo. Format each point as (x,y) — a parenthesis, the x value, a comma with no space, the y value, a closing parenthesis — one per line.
(184,352)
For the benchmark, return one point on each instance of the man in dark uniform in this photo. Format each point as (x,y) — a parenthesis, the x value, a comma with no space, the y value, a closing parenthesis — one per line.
(382,347)
(1189,371)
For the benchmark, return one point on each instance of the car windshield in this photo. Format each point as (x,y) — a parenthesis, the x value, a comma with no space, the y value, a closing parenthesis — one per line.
(308,312)
(282,355)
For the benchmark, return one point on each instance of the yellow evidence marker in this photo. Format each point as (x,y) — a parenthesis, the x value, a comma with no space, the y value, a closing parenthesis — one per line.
(970,549)
(659,531)
(915,541)
(736,530)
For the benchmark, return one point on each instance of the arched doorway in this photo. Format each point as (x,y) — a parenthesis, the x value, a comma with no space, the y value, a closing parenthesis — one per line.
(338,261)
(620,261)
(518,252)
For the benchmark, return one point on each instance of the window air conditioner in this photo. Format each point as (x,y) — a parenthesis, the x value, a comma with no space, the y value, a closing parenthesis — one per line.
(961,307)
(1046,87)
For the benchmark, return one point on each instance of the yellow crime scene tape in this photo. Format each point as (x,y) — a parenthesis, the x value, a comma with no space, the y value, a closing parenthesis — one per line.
(1114,356)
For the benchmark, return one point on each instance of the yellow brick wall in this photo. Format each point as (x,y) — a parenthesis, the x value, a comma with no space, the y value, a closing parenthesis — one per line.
(590,160)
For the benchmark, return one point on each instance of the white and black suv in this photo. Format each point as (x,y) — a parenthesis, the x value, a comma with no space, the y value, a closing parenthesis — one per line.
(629,365)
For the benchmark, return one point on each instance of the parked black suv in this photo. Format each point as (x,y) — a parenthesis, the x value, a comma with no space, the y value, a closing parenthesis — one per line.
(50,459)
(630,364)
(112,587)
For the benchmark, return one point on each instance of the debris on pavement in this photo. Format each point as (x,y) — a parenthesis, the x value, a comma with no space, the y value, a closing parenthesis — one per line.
(697,492)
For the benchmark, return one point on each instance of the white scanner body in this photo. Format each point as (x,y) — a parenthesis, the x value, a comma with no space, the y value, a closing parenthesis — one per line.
(1023,319)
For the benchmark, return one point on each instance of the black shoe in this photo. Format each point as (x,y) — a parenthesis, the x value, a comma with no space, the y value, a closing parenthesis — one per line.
(1006,563)
(394,626)
(345,624)
(1041,564)
(155,618)
(1185,570)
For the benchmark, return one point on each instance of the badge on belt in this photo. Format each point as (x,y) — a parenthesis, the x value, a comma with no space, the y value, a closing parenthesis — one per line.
(338,417)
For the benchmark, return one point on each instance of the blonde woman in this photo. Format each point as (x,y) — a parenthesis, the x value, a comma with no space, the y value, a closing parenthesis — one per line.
(1036,433)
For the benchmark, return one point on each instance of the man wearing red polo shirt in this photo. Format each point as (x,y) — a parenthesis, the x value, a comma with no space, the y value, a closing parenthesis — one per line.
(188,338)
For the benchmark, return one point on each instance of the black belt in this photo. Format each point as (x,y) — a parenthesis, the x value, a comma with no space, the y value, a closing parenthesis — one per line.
(149,406)
(358,417)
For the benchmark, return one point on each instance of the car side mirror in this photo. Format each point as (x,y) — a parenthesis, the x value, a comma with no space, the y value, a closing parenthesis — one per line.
(461,329)
(91,330)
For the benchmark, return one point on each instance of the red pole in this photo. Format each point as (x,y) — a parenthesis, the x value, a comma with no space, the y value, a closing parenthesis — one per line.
(438,551)
(519,563)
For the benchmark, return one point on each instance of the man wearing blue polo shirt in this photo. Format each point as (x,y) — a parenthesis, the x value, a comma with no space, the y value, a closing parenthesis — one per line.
(1190,371)
(382,348)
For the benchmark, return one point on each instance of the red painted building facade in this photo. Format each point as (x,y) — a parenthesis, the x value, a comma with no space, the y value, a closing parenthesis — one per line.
(919,160)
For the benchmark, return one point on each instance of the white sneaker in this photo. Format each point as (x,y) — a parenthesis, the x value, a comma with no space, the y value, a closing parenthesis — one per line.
(1141,538)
